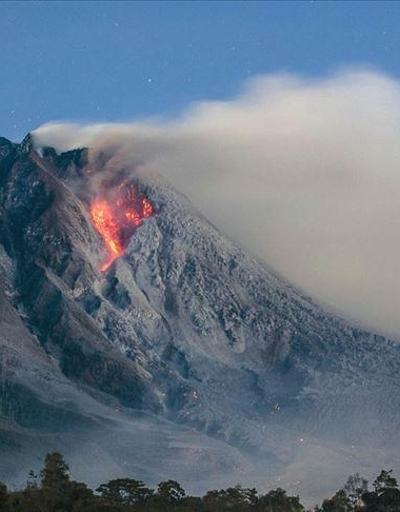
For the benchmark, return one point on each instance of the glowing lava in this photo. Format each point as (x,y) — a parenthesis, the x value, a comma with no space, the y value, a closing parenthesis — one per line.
(116,217)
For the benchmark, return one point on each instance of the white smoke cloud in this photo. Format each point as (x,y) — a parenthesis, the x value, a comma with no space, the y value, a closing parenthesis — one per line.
(304,173)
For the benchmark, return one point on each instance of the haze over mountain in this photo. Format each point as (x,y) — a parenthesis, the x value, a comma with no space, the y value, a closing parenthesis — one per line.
(186,358)
(302,172)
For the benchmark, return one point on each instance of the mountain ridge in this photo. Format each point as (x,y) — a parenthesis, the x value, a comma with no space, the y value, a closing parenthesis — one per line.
(186,327)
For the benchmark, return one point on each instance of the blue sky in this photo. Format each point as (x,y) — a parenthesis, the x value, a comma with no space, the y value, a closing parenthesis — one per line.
(95,61)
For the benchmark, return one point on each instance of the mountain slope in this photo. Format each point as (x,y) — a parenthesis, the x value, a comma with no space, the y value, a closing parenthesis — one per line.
(186,330)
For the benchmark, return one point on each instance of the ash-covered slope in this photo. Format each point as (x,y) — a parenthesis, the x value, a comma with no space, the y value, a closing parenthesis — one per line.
(186,330)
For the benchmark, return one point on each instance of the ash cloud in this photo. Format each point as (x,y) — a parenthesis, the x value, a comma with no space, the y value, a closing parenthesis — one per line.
(303,173)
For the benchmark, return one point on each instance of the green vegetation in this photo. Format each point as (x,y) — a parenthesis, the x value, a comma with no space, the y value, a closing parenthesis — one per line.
(54,491)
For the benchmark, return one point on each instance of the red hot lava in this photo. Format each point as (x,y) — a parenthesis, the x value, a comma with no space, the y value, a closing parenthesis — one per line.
(116,215)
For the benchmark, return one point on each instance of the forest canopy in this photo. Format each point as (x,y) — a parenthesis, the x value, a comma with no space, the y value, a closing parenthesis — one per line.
(53,490)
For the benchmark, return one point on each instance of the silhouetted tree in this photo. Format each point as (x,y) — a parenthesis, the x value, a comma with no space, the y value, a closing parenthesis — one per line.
(55,474)
(340,502)
(385,497)
(232,499)
(55,482)
(278,501)
(171,491)
(79,496)
(385,481)
(354,488)
(32,481)
(125,490)
(4,500)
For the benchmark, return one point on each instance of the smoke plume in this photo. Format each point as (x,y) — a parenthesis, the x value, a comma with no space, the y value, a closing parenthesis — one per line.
(304,173)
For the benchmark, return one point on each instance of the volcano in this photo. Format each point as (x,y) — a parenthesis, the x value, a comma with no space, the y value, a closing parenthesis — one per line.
(137,339)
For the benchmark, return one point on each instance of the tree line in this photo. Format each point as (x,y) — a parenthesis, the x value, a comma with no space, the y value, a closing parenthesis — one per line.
(53,490)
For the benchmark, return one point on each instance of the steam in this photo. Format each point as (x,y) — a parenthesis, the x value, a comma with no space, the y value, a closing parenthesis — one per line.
(304,173)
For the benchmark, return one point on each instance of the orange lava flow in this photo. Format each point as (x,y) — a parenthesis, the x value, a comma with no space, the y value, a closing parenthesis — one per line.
(116,219)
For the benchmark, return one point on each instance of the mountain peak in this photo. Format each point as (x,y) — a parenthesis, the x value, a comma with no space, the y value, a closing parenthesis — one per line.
(27,144)
(5,142)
